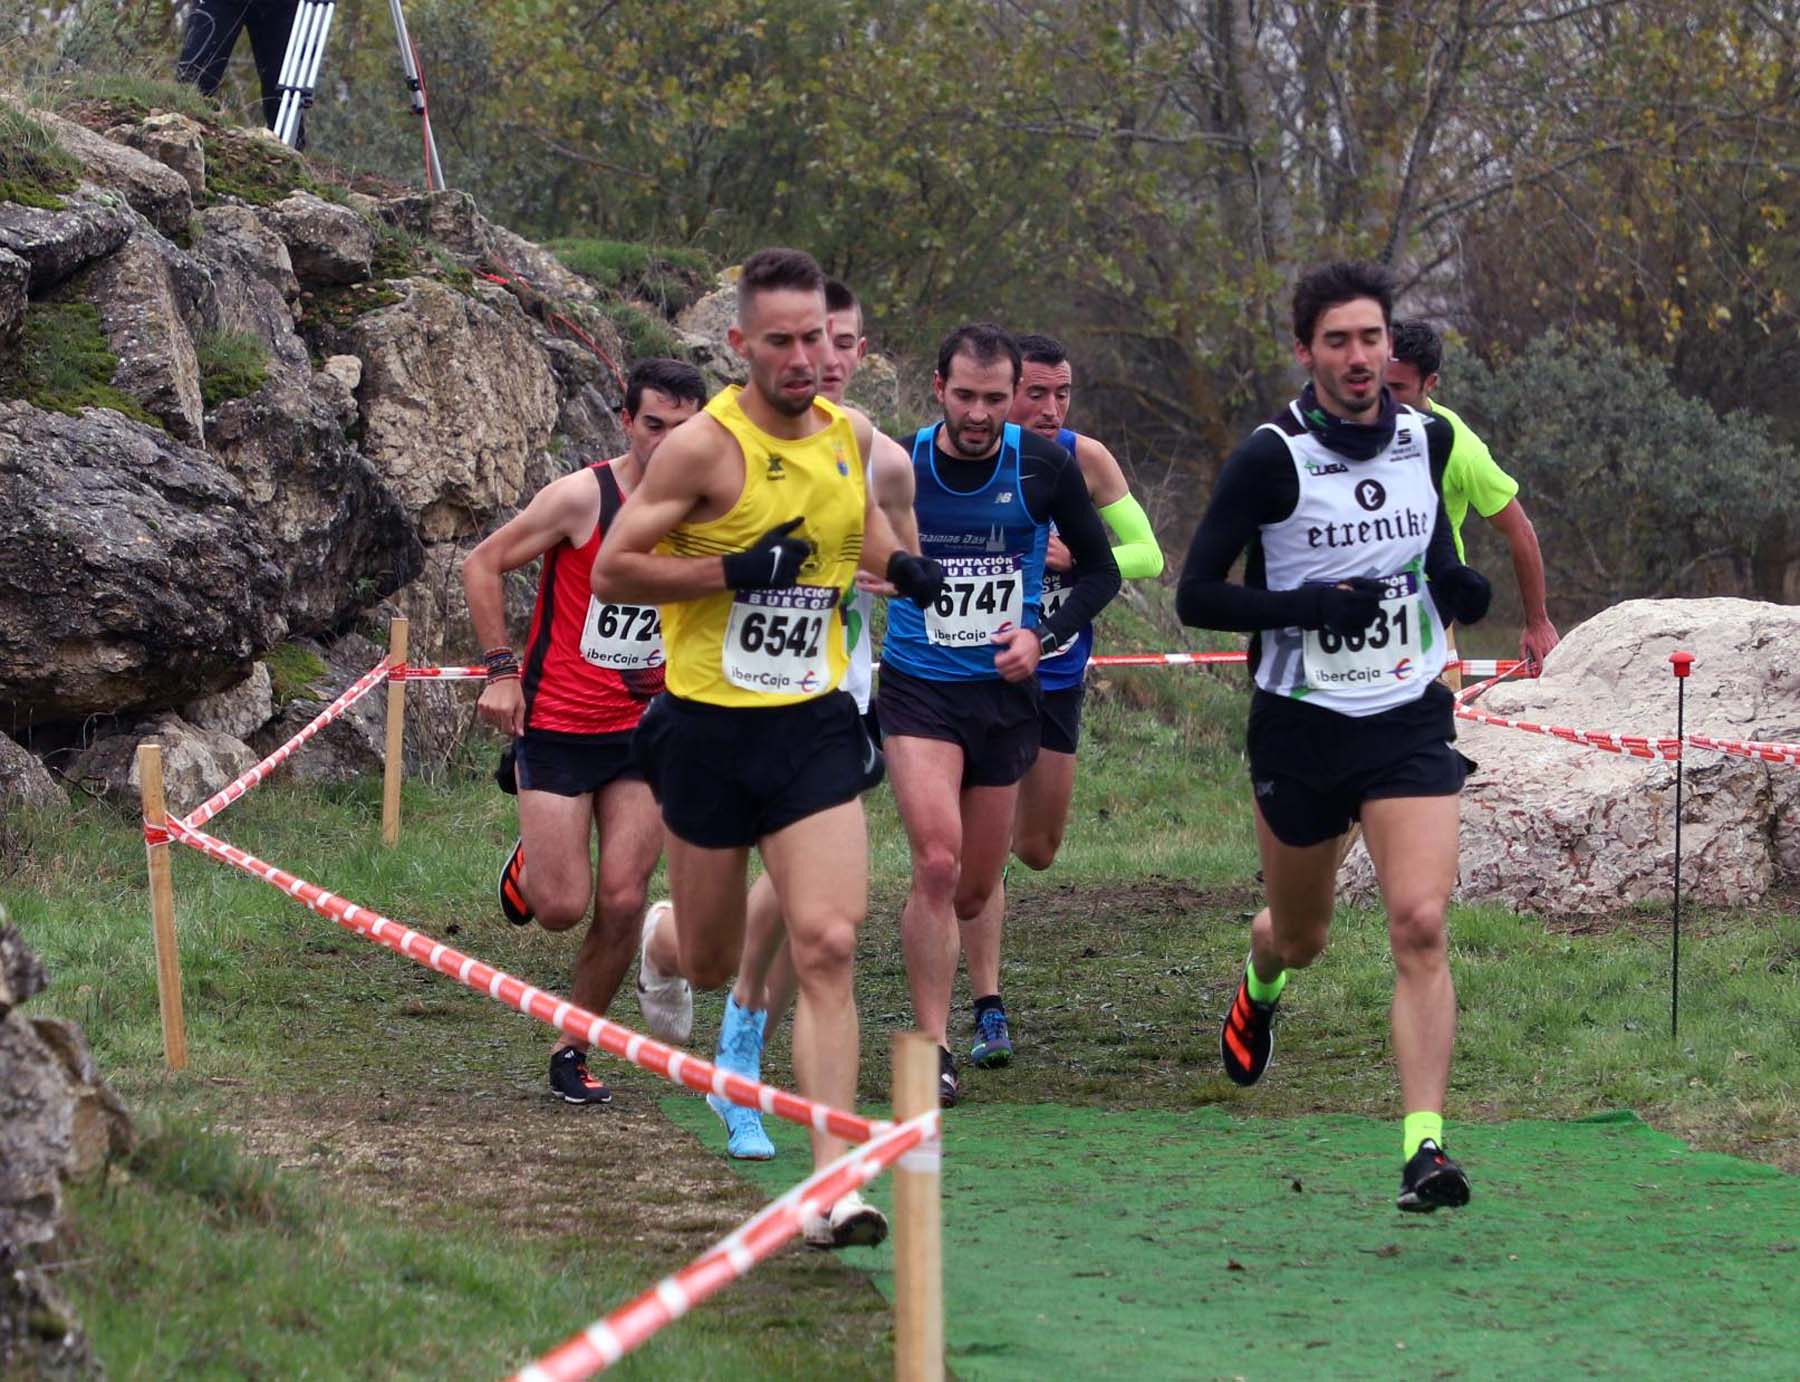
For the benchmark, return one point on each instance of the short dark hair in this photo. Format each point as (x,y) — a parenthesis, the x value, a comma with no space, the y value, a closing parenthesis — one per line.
(984,343)
(771,270)
(839,298)
(1331,285)
(675,378)
(1418,344)
(1042,350)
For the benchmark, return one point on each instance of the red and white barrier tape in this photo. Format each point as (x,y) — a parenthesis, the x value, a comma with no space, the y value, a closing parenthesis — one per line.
(411,673)
(676,1066)
(216,803)
(1749,748)
(1634,745)
(604,1342)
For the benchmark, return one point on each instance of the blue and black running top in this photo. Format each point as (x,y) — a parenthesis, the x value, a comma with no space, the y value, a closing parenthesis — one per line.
(1067,666)
(992,548)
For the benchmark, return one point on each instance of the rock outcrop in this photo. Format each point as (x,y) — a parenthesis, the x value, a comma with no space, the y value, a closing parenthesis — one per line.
(196,762)
(139,576)
(1552,828)
(58,1122)
(457,402)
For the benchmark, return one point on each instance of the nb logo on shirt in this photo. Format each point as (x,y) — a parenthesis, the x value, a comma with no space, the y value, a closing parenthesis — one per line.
(775,470)
(1004,497)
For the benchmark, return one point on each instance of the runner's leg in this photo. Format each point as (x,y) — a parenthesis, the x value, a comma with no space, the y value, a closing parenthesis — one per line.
(1413,843)
(1037,831)
(707,888)
(926,774)
(824,905)
(1300,883)
(559,872)
(631,838)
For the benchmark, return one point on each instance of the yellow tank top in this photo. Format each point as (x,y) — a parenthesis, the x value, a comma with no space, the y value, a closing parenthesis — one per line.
(772,647)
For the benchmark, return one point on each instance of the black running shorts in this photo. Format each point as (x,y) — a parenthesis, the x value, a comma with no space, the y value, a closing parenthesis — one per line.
(1059,718)
(1312,769)
(571,765)
(995,723)
(728,776)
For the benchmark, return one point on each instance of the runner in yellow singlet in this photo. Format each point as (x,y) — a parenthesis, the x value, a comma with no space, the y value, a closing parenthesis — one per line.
(747,534)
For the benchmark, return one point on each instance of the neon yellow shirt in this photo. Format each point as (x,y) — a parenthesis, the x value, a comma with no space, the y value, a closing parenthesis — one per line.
(1471,477)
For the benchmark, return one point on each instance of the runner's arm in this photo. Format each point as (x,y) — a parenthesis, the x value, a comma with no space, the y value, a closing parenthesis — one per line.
(1256,487)
(1096,573)
(894,489)
(1539,635)
(555,514)
(1138,554)
(628,568)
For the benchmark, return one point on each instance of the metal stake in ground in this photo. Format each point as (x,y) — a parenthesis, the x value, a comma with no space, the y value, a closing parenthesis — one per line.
(1682,664)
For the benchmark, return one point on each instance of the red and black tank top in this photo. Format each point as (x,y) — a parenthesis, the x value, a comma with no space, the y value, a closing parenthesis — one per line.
(591,665)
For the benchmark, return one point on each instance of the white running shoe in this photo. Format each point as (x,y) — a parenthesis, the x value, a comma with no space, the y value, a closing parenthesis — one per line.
(666,1003)
(852,1223)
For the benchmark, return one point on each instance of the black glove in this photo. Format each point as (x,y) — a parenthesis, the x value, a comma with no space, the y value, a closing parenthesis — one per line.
(772,562)
(1348,606)
(1461,594)
(920,579)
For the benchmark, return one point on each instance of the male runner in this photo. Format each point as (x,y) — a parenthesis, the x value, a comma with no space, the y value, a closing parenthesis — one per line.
(959,700)
(590,668)
(748,533)
(1350,580)
(1472,478)
(765,982)
(1046,385)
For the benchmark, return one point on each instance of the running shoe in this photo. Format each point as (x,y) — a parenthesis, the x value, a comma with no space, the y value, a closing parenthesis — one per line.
(512,888)
(1431,1181)
(993,1046)
(852,1223)
(1247,1037)
(570,1081)
(949,1089)
(667,1002)
(740,1052)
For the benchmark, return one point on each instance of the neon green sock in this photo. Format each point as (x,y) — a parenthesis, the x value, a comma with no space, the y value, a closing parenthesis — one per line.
(1417,1128)
(1261,992)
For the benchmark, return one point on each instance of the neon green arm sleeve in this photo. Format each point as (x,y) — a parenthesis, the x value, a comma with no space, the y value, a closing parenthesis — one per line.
(1139,554)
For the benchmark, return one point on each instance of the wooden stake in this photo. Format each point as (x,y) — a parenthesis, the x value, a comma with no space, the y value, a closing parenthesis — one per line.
(395,765)
(918,1227)
(1452,666)
(162,909)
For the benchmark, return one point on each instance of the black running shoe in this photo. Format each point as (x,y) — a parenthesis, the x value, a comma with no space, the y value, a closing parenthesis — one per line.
(1431,1180)
(570,1081)
(512,892)
(949,1089)
(1247,1037)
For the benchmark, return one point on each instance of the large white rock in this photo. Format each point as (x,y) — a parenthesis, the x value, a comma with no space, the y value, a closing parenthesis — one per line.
(1551,827)
(238,710)
(458,404)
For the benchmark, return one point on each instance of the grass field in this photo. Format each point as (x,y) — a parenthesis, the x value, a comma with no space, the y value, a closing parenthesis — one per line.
(360,1175)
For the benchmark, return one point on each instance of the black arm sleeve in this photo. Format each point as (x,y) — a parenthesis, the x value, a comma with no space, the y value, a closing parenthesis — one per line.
(1440,553)
(1257,486)
(1096,573)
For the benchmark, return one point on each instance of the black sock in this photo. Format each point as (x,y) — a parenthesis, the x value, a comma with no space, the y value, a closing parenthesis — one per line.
(991,1001)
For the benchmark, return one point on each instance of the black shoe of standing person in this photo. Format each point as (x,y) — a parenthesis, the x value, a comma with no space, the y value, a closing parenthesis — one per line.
(1432,1181)
(570,1081)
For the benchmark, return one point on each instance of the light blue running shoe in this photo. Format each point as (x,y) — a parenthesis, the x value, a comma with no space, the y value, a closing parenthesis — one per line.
(993,1046)
(740,1052)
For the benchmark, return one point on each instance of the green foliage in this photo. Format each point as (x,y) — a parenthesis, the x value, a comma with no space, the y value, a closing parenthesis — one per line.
(108,97)
(644,332)
(294,673)
(256,170)
(233,364)
(34,169)
(672,279)
(63,363)
(1635,490)
(226,1186)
